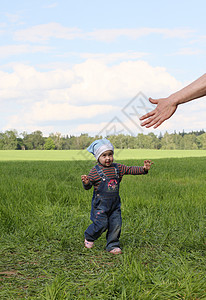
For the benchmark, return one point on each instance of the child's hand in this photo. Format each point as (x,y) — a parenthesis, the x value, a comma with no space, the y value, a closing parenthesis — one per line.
(85,179)
(147,165)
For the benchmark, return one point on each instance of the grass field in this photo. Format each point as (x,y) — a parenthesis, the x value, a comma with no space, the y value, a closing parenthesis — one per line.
(44,211)
(59,155)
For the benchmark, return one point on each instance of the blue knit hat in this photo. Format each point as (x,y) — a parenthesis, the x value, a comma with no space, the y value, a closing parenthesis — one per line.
(100,146)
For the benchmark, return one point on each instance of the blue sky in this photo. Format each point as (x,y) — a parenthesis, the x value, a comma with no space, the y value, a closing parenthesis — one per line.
(74,66)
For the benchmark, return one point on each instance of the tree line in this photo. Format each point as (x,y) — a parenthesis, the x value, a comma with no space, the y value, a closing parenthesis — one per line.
(11,140)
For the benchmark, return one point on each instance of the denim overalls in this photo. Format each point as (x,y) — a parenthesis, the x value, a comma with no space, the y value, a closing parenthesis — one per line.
(106,211)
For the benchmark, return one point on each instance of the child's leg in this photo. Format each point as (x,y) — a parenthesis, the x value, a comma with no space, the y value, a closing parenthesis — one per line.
(114,229)
(99,225)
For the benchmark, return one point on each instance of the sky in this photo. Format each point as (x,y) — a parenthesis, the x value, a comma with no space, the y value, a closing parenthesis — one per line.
(78,67)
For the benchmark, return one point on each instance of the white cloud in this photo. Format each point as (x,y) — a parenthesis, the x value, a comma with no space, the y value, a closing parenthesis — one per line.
(110,57)
(89,82)
(45,111)
(52,5)
(92,128)
(15,50)
(13,18)
(198,39)
(188,51)
(26,79)
(42,33)
(111,34)
(113,126)
(119,82)
(42,112)
(106,58)
(85,91)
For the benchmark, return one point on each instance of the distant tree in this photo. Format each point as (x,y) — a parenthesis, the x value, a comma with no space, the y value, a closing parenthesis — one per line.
(168,141)
(177,140)
(58,140)
(34,140)
(84,141)
(10,140)
(120,141)
(146,141)
(131,142)
(27,141)
(182,133)
(20,144)
(37,140)
(73,142)
(153,140)
(1,140)
(65,143)
(190,141)
(49,144)
(202,141)
(160,136)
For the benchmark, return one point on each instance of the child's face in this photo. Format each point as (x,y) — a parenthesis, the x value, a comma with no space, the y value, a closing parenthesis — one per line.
(106,158)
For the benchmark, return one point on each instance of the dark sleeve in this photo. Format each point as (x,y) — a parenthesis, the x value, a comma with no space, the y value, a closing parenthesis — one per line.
(88,186)
(92,178)
(133,170)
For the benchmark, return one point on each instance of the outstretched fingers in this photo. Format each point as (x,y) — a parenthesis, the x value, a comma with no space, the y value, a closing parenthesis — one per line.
(155,121)
(150,114)
(152,118)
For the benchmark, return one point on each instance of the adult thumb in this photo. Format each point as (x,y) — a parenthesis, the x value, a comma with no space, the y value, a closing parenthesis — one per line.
(153,101)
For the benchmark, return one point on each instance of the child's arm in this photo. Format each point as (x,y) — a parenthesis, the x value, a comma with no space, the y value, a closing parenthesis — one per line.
(86,182)
(135,170)
(147,165)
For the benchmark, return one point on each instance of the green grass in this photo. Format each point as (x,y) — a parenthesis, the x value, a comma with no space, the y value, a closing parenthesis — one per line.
(44,211)
(65,155)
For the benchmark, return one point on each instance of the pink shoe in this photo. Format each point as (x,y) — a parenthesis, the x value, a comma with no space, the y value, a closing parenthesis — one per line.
(116,251)
(88,244)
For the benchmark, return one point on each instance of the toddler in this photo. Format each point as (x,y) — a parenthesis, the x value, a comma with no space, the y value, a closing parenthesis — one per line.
(106,177)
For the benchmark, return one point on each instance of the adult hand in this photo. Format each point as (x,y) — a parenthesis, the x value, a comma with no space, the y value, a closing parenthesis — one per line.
(167,106)
(164,110)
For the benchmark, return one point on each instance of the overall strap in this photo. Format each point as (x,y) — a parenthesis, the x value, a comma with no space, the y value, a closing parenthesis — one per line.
(100,172)
(116,169)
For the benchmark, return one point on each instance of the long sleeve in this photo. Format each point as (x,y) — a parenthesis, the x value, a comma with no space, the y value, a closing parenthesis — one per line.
(87,186)
(133,170)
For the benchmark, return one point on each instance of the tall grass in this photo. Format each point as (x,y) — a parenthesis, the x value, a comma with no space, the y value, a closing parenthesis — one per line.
(44,212)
